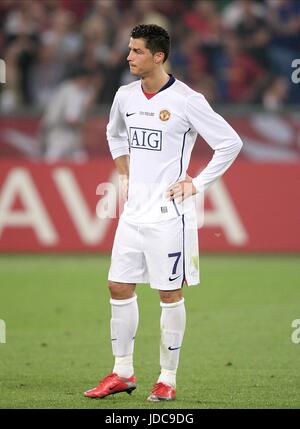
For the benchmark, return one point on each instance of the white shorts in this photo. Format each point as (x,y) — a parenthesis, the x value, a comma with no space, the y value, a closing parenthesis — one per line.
(164,254)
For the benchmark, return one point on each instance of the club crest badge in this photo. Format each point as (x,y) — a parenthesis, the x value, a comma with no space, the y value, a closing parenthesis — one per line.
(164,115)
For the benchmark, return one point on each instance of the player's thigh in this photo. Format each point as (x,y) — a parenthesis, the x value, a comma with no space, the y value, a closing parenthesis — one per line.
(164,252)
(172,253)
(127,259)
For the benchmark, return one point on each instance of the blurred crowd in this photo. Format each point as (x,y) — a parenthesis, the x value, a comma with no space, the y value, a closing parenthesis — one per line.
(233,51)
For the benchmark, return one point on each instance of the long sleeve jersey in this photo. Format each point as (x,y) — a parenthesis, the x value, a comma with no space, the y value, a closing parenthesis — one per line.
(159,134)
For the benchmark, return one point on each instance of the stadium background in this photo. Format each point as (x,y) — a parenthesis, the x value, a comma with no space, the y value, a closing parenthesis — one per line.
(239,54)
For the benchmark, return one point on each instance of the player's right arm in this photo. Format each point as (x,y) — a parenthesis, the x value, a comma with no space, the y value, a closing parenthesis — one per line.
(118,142)
(122,166)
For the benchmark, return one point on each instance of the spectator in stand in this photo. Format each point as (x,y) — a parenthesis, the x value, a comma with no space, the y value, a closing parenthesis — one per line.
(78,8)
(189,63)
(46,74)
(11,94)
(24,18)
(173,10)
(254,33)
(96,41)
(109,13)
(121,48)
(63,122)
(233,12)
(63,37)
(186,53)
(21,30)
(41,40)
(148,13)
(276,94)
(284,19)
(240,78)
(204,20)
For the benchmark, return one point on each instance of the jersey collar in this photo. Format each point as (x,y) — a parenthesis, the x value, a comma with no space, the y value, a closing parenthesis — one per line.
(166,86)
(169,83)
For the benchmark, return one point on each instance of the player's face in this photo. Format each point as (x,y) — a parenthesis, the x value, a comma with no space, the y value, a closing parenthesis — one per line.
(141,61)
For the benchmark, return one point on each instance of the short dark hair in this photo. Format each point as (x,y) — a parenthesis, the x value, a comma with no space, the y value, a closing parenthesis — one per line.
(157,38)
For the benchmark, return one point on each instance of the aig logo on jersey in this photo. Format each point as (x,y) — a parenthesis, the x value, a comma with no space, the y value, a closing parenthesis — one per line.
(145,138)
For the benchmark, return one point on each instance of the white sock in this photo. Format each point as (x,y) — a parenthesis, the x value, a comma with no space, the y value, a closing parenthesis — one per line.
(123,327)
(124,366)
(172,325)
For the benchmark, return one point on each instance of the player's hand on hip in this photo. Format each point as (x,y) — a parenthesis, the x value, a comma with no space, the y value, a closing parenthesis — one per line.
(179,191)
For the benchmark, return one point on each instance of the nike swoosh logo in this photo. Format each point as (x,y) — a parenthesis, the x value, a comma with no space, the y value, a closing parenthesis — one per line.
(115,339)
(130,114)
(129,384)
(174,278)
(173,348)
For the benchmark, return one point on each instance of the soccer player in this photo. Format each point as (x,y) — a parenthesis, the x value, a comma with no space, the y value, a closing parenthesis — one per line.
(152,128)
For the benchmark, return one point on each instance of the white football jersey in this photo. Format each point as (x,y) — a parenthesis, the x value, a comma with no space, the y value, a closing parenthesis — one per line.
(159,134)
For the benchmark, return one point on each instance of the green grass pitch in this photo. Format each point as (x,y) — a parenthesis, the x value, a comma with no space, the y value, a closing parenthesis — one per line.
(237,351)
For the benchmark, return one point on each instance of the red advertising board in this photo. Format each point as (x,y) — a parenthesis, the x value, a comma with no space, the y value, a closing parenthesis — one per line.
(53,207)
(266,137)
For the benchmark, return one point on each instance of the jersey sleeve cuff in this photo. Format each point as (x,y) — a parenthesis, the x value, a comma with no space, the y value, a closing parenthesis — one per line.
(197,182)
(121,151)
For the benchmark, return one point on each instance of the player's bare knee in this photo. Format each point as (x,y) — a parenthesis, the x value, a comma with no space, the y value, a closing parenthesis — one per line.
(121,290)
(170,296)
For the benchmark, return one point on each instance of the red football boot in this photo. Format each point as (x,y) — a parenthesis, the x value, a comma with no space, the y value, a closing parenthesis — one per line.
(162,392)
(111,384)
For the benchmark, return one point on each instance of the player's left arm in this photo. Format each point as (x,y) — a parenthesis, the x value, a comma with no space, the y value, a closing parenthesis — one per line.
(219,135)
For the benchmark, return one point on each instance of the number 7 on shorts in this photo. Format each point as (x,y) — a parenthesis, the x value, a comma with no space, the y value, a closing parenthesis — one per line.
(177,256)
